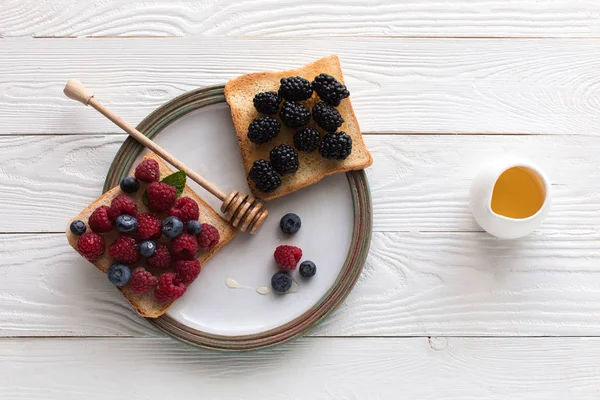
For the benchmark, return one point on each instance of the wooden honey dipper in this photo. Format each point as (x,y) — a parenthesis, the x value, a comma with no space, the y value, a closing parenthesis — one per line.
(241,210)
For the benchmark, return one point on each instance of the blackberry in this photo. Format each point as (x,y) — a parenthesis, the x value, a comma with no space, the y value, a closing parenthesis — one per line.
(267,102)
(295,88)
(336,145)
(327,117)
(294,115)
(307,139)
(329,89)
(264,176)
(263,129)
(284,159)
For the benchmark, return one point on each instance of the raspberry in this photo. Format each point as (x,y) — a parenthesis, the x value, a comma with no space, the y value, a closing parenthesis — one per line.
(185,209)
(90,245)
(124,249)
(161,258)
(287,257)
(209,237)
(187,271)
(142,280)
(148,227)
(148,171)
(184,246)
(166,290)
(99,221)
(122,204)
(161,196)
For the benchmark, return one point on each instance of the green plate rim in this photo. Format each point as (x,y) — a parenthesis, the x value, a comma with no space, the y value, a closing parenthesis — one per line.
(152,125)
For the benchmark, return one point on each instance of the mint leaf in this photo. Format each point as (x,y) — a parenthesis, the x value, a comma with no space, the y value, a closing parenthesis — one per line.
(177,180)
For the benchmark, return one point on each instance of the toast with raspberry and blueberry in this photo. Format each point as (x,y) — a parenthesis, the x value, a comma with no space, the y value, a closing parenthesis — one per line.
(150,252)
(295,127)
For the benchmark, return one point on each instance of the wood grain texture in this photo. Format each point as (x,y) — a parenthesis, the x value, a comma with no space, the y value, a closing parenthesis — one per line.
(460,284)
(397,85)
(575,18)
(418,183)
(344,369)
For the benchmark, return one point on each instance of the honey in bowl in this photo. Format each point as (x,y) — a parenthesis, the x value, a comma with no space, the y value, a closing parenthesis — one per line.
(518,193)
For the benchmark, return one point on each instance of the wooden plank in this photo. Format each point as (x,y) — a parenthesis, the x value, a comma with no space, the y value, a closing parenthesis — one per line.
(411,368)
(462,284)
(575,18)
(397,85)
(418,183)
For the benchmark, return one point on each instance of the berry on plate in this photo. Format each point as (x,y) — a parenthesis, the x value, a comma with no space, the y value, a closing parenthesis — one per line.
(194,227)
(267,102)
(122,204)
(77,227)
(287,257)
(172,227)
(161,258)
(184,246)
(290,223)
(90,245)
(284,159)
(148,227)
(124,249)
(308,269)
(148,171)
(281,282)
(142,280)
(186,209)
(161,196)
(99,221)
(187,271)
(147,248)
(264,176)
(129,184)
(126,223)
(209,237)
(167,290)
(119,274)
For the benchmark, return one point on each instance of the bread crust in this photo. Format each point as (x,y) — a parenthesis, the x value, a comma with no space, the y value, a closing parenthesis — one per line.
(145,304)
(239,93)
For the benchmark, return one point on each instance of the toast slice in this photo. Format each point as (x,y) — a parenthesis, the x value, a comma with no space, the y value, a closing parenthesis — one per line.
(240,92)
(145,304)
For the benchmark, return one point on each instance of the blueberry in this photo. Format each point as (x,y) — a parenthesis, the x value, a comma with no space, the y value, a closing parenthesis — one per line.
(172,227)
(308,269)
(290,223)
(129,184)
(126,223)
(119,274)
(77,227)
(147,248)
(194,227)
(281,282)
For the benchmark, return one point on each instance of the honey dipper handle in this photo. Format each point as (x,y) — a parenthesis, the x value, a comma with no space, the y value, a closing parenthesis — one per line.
(77,91)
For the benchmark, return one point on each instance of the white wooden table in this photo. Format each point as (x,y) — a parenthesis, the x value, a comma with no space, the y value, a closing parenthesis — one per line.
(442,310)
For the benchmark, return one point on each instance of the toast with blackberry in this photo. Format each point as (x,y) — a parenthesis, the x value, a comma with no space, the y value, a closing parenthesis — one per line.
(295,127)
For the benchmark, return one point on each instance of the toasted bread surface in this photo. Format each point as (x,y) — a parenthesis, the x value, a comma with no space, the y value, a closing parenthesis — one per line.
(240,92)
(145,304)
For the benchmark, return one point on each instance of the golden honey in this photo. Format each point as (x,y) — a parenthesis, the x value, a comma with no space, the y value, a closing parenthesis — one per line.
(518,193)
